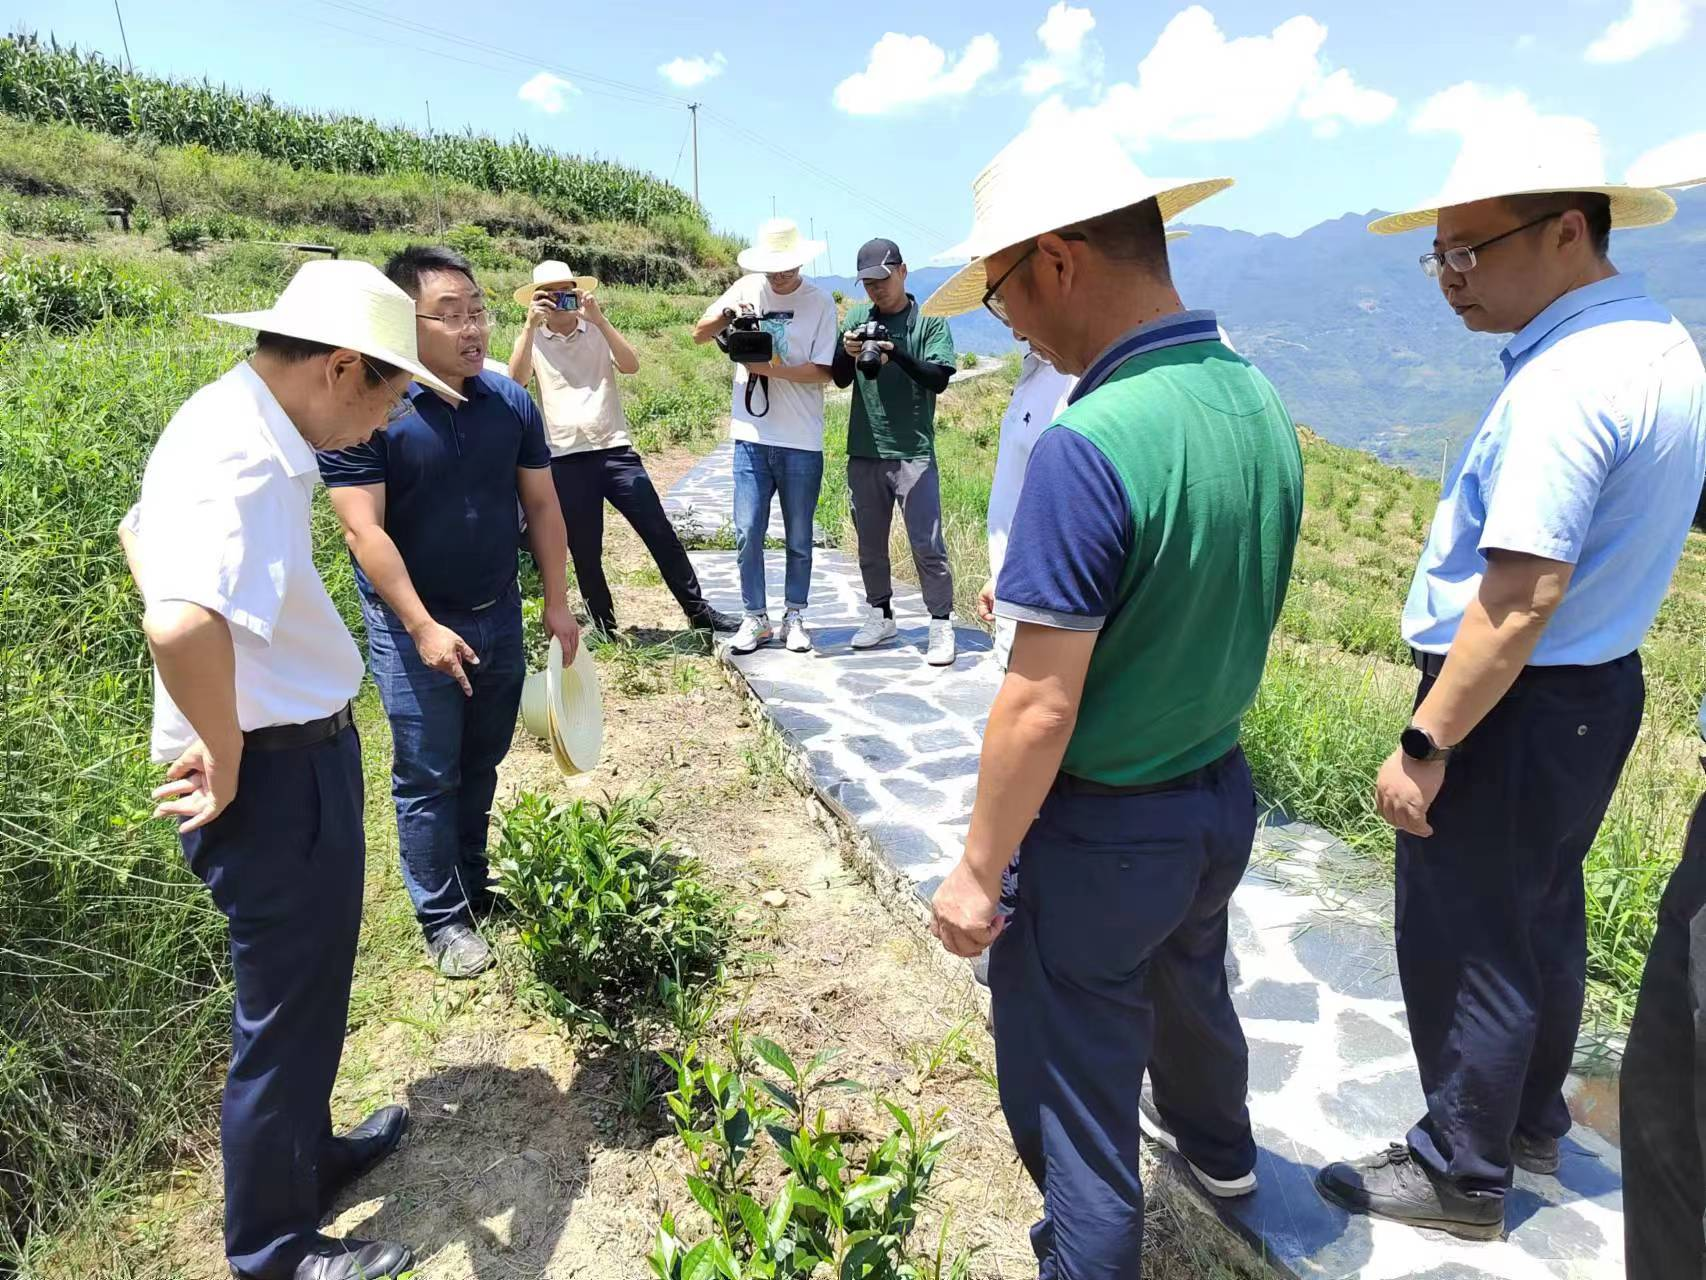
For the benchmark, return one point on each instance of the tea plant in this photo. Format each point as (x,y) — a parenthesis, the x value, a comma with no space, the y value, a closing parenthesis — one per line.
(835,1209)
(620,931)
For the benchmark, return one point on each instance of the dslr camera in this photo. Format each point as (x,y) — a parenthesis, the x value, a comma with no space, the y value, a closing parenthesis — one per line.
(870,358)
(743,340)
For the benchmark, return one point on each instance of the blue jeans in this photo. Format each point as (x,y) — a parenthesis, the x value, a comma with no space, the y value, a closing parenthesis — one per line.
(446,749)
(794,475)
(1113,963)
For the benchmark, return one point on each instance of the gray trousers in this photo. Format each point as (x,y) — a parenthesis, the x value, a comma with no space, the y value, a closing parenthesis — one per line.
(875,485)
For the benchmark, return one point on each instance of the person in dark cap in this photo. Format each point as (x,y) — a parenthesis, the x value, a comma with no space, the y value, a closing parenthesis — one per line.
(891,444)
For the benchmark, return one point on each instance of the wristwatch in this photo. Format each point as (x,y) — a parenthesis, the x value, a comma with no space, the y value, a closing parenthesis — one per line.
(1419,745)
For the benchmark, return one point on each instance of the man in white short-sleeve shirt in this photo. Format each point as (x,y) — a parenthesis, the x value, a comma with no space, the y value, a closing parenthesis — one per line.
(570,348)
(254,673)
(776,421)
(1038,397)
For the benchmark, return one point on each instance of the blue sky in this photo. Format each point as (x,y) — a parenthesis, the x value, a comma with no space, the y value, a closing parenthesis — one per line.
(1317,107)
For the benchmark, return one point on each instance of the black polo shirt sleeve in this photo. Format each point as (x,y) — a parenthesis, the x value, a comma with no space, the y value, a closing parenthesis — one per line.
(357,465)
(532,451)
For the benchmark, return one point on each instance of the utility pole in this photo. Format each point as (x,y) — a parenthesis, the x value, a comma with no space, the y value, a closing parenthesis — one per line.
(437,188)
(693,107)
(124,39)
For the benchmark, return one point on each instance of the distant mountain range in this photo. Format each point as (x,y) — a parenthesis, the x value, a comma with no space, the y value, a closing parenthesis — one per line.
(1356,338)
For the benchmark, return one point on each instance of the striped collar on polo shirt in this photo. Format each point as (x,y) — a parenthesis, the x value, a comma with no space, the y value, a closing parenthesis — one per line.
(1169,331)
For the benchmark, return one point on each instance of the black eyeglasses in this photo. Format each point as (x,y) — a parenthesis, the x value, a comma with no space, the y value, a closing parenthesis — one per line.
(1461,258)
(401,407)
(992,300)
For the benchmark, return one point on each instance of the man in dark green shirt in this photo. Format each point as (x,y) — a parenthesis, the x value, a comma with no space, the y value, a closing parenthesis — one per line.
(1147,567)
(891,445)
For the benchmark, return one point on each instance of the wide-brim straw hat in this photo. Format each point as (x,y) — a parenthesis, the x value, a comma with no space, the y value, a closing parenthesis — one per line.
(553,274)
(562,705)
(345,304)
(963,291)
(778,246)
(1530,165)
(1048,178)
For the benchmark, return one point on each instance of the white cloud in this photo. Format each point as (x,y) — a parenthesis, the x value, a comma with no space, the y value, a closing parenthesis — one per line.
(1497,125)
(905,70)
(684,73)
(547,92)
(1072,57)
(1196,85)
(1678,161)
(1649,24)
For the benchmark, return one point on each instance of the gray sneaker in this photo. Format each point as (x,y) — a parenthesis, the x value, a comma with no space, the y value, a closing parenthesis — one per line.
(459,952)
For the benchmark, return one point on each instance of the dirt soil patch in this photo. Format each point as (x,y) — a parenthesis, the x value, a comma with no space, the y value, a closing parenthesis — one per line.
(523,1159)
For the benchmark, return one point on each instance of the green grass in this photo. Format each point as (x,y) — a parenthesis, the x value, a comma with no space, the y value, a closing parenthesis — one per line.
(112,989)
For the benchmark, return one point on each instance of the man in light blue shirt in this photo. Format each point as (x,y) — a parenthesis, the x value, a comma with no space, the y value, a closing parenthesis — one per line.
(1549,556)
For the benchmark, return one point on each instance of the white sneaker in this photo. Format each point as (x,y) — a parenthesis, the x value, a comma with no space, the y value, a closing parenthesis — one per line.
(941,651)
(876,629)
(754,630)
(794,633)
(1149,1120)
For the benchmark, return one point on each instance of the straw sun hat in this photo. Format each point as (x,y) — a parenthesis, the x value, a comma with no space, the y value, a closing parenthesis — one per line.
(778,246)
(1535,165)
(552,274)
(1046,179)
(562,705)
(345,304)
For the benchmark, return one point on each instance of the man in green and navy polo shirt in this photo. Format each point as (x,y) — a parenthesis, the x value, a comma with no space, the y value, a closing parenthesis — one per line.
(891,446)
(1149,558)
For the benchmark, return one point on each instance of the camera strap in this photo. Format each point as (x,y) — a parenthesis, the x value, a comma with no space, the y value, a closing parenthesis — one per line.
(762,381)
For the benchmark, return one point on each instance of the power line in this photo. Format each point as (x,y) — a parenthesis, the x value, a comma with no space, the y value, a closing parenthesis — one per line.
(622,89)
(515,55)
(856,192)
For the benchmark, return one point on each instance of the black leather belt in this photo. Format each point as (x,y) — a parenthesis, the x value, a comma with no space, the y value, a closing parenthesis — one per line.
(1072,785)
(284,737)
(1429,664)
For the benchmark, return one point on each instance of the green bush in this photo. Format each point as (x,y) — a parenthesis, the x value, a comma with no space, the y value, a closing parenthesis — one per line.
(66,295)
(621,933)
(185,233)
(46,82)
(833,1213)
(61,219)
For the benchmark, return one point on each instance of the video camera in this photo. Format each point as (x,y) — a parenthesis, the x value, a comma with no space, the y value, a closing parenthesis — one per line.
(743,340)
(870,359)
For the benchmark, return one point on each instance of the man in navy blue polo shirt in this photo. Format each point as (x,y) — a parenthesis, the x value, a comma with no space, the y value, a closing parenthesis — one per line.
(428,508)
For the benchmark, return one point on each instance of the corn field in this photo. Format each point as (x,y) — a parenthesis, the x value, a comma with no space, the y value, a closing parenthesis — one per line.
(49,83)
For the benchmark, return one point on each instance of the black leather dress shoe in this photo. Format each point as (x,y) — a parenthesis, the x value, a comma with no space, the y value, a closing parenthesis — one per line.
(351,1260)
(1392,1184)
(355,1154)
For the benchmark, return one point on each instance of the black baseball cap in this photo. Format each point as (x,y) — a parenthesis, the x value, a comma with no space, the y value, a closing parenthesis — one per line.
(878,259)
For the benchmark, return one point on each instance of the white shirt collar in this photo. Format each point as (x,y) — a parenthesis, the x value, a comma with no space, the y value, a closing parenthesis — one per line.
(277,429)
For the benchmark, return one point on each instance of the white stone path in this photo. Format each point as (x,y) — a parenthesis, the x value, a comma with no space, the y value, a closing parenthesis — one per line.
(891,744)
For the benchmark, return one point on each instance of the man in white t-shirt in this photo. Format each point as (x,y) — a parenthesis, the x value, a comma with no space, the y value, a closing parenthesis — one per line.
(1038,396)
(572,350)
(776,420)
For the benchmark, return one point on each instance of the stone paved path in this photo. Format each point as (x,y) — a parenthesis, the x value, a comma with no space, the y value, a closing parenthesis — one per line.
(891,745)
